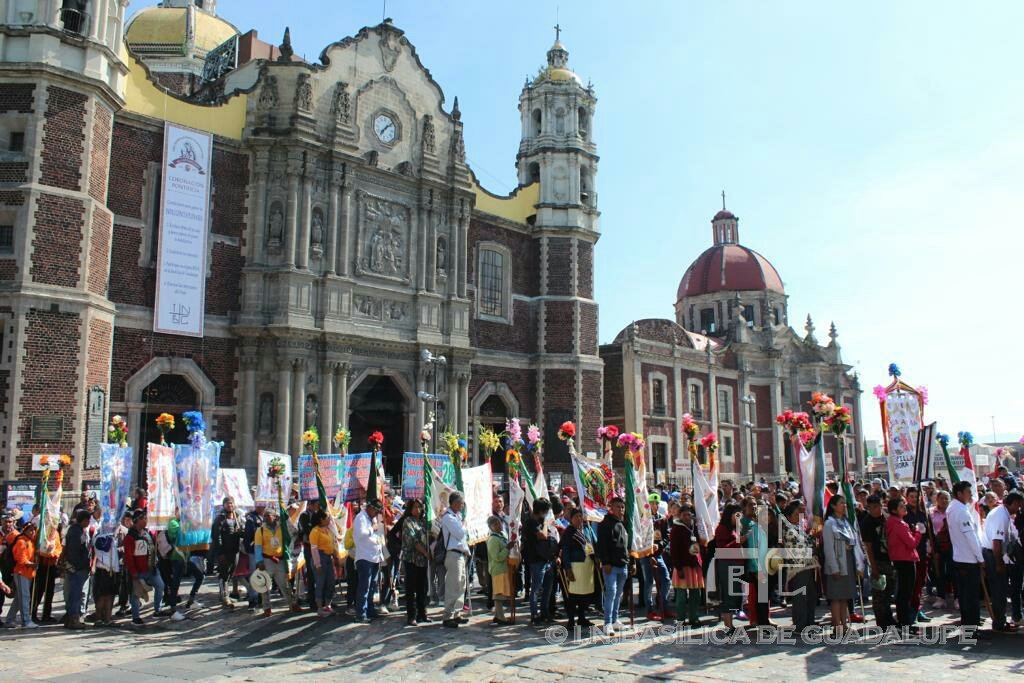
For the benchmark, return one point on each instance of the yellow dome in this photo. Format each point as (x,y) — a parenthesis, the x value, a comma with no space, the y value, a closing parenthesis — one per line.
(553,73)
(159,29)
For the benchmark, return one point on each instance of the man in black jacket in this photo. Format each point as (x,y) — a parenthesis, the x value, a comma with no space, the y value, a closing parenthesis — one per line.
(613,553)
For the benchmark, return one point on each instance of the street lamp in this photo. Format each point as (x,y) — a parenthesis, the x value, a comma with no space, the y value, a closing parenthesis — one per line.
(437,362)
(749,400)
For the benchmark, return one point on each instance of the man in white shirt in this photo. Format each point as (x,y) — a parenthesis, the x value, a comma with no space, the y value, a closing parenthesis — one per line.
(967,556)
(369,554)
(453,533)
(996,533)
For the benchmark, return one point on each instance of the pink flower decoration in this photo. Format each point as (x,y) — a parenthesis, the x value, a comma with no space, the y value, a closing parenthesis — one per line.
(533,433)
(880,392)
(924,394)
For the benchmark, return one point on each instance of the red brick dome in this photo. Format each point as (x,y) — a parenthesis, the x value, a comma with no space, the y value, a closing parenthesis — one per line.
(727,268)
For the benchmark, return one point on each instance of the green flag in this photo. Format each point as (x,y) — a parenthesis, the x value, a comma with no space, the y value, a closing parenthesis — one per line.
(320,490)
(851,511)
(373,486)
(954,476)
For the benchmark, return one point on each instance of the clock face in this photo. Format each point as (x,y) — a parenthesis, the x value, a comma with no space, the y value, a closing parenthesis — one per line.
(385,128)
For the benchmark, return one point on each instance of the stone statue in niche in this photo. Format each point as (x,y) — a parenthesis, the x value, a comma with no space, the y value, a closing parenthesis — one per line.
(304,93)
(265,421)
(428,134)
(458,146)
(312,410)
(560,122)
(276,222)
(316,231)
(442,256)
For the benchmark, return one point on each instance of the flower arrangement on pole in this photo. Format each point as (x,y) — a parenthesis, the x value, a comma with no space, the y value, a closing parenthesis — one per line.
(342,438)
(822,405)
(376,441)
(165,423)
(117,432)
(691,430)
(489,442)
(196,426)
(311,440)
(798,425)
(710,442)
(606,437)
(457,448)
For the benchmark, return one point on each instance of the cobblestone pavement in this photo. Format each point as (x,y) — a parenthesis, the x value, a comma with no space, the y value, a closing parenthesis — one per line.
(218,645)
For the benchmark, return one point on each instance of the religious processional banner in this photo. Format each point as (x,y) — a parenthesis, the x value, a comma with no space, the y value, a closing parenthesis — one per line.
(197,468)
(812,477)
(266,488)
(234,483)
(640,521)
(476,484)
(901,421)
(162,485)
(595,484)
(705,501)
(412,472)
(332,472)
(115,481)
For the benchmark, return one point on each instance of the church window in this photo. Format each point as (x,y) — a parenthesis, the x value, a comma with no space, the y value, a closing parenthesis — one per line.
(584,123)
(748,314)
(777,316)
(493,282)
(658,397)
(724,405)
(697,401)
(659,457)
(16,143)
(154,214)
(707,320)
(6,239)
(534,172)
(727,447)
(536,122)
(584,188)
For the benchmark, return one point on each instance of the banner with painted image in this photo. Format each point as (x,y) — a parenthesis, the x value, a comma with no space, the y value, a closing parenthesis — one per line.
(161,485)
(234,483)
(356,476)
(412,472)
(181,253)
(476,484)
(901,420)
(266,488)
(197,469)
(332,472)
(115,482)
(595,485)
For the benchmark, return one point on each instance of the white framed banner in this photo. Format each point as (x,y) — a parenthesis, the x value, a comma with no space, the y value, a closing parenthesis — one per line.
(184,224)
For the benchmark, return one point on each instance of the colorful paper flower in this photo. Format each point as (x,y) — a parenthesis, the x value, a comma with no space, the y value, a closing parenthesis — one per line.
(194,421)
(489,441)
(807,436)
(690,427)
(514,429)
(376,440)
(275,468)
(567,431)
(117,432)
(821,404)
(311,439)
(710,442)
(894,370)
(943,439)
(839,421)
(342,437)
(608,433)
(880,392)
(966,439)
(794,422)
(533,434)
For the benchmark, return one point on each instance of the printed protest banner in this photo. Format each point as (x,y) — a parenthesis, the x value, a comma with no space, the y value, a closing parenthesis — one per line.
(332,471)
(412,472)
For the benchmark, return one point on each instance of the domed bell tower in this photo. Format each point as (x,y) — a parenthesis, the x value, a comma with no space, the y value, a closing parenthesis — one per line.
(61,81)
(557,152)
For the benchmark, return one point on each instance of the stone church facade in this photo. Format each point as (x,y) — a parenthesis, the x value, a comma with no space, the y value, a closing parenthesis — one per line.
(347,236)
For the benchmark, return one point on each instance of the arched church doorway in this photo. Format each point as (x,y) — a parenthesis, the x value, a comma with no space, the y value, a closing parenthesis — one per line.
(493,414)
(168,393)
(378,405)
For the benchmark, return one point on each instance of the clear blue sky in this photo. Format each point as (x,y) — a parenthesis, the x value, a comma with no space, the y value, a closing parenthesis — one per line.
(873,152)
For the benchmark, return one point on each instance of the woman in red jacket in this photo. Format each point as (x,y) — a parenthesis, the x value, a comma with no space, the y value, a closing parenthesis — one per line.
(687,575)
(902,542)
(727,535)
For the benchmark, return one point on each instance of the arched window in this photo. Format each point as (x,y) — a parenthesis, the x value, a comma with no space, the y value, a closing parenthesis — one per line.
(584,123)
(534,169)
(584,187)
(536,122)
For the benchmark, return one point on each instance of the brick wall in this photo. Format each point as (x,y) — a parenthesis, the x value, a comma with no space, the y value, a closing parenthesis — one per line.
(130,284)
(558,326)
(559,405)
(592,417)
(99,155)
(97,368)
(8,269)
(134,348)
(17,97)
(614,390)
(132,149)
(588,329)
(223,287)
(230,192)
(559,266)
(519,337)
(99,253)
(58,240)
(49,379)
(63,138)
(14,172)
(585,267)
(521,382)
(524,266)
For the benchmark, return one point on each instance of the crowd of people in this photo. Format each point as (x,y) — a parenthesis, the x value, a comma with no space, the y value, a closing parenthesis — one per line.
(906,550)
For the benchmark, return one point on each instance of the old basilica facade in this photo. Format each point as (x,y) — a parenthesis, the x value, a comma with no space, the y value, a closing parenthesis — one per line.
(349,246)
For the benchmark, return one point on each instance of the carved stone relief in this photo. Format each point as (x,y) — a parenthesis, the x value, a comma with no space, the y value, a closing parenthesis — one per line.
(303,93)
(389,49)
(429,138)
(341,106)
(268,94)
(383,238)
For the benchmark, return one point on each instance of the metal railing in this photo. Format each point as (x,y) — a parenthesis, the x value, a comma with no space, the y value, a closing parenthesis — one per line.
(74,21)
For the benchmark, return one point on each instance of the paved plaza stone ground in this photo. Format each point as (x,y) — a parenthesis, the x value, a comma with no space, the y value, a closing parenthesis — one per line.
(217,645)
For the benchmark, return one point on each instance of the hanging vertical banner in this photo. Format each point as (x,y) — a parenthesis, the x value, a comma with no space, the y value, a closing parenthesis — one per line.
(162,485)
(478,497)
(181,256)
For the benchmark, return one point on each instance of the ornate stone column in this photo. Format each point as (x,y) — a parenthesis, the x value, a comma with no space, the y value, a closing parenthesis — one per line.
(463,401)
(345,227)
(454,248)
(333,224)
(461,255)
(302,254)
(341,402)
(298,424)
(247,413)
(291,232)
(258,233)
(327,422)
(431,230)
(284,397)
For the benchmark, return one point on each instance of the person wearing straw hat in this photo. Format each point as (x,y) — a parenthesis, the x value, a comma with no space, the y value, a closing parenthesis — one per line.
(271,561)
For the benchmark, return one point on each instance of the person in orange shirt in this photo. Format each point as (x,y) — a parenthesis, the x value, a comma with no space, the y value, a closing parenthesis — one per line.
(23,549)
(46,576)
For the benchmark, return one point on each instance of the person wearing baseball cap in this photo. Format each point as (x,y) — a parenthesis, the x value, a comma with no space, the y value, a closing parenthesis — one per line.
(23,549)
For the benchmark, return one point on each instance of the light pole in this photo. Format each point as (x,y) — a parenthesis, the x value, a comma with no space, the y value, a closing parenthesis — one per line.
(437,362)
(749,400)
